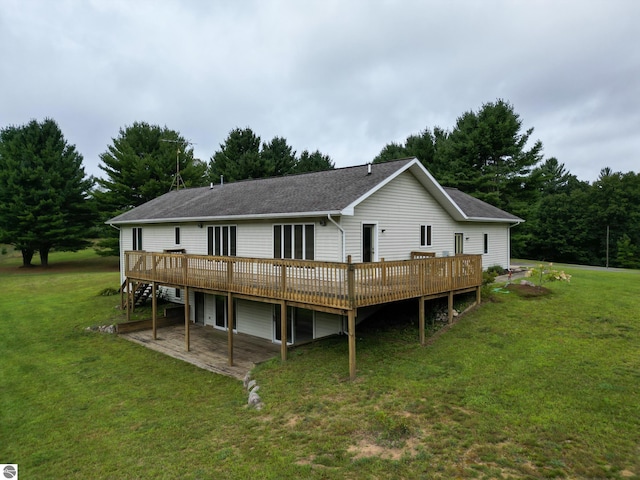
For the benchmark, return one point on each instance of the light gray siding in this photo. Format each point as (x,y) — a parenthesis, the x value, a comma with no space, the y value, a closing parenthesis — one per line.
(255,318)
(327,324)
(400,208)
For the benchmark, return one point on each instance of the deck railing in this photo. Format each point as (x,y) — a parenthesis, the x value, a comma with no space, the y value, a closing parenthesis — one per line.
(331,284)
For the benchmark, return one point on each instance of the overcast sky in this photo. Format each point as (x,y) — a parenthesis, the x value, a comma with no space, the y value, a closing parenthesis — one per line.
(345,77)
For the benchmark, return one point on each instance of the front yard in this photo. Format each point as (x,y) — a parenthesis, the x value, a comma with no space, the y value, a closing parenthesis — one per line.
(519,388)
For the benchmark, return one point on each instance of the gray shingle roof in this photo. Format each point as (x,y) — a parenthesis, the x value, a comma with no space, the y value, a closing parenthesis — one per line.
(318,193)
(474,208)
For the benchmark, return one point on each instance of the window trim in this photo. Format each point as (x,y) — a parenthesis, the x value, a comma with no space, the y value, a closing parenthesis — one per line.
(136,238)
(458,239)
(426,235)
(222,240)
(294,241)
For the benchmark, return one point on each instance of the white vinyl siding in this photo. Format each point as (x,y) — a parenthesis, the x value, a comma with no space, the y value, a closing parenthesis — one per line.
(400,208)
(255,318)
(327,324)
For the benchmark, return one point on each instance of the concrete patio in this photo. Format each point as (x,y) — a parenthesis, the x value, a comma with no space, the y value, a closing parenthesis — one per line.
(208,348)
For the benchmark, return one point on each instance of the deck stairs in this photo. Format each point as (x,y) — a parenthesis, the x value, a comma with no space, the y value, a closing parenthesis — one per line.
(141,294)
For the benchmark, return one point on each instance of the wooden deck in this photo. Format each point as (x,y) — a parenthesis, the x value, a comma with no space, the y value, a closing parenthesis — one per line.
(332,285)
(208,349)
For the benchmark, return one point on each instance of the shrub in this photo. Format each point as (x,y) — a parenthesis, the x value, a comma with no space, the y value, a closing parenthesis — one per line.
(545,273)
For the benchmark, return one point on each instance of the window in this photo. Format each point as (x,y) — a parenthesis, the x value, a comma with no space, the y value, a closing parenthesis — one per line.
(137,238)
(178,293)
(425,235)
(486,243)
(221,240)
(221,313)
(177,235)
(294,241)
(459,243)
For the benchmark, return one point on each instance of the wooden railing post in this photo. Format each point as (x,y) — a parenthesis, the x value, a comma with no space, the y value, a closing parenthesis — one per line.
(351,283)
(229,273)
(283,278)
(185,269)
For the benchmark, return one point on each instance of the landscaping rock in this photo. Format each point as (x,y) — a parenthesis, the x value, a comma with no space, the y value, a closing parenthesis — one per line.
(255,401)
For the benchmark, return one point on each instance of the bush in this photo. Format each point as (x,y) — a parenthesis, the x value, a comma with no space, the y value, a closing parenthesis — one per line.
(108,292)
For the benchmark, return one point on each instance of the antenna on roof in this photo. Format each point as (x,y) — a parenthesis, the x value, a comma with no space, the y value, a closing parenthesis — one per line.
(177,179)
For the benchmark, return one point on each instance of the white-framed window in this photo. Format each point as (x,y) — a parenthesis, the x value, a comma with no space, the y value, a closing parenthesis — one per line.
(177,235)
(221,240)
(294,241)
(425,235)
(486,243)
(459,243)
(221,321)
(137,238)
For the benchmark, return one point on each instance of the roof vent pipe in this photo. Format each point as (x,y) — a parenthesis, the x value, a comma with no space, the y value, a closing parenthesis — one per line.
(368,169)
(211,186)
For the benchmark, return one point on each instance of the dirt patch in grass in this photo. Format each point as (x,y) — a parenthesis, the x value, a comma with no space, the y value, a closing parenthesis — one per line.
(366,449)
(528,291)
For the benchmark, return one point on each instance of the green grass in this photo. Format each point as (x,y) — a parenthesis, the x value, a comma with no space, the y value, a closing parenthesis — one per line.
(519,388)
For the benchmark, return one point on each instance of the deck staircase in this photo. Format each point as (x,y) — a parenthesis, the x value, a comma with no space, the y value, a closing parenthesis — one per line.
(140,295)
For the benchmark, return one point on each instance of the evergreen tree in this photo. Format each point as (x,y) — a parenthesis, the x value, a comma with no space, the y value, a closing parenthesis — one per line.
(278,157)
(239,158)
(141,165)
(44,195)
(313,162)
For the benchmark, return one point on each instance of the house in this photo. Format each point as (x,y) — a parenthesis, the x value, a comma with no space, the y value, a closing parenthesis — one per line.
(299,257)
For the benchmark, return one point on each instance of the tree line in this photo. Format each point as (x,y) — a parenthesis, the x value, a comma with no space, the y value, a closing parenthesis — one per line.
(49,203)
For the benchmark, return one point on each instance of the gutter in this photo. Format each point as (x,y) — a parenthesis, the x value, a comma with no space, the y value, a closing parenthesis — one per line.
(344,251)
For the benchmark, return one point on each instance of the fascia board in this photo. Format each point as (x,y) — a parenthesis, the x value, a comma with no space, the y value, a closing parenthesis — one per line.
(265,216)
(436,190)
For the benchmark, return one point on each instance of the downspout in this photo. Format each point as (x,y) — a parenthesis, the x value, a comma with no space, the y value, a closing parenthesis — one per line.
(509,243)
(344,251)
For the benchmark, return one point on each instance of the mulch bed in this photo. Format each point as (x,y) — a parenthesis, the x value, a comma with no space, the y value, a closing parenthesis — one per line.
(528,291)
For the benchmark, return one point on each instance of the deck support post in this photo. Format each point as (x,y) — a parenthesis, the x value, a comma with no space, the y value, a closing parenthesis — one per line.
(186,318)
(450,305)
(230,326)
(283,331)
(128,283)
(352,344)
(478,295)
(154,309)
(421,320)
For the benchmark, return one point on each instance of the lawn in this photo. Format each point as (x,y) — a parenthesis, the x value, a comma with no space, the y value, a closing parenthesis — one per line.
(518,388)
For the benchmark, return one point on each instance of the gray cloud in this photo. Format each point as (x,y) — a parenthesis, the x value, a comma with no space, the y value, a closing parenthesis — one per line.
(342,77)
